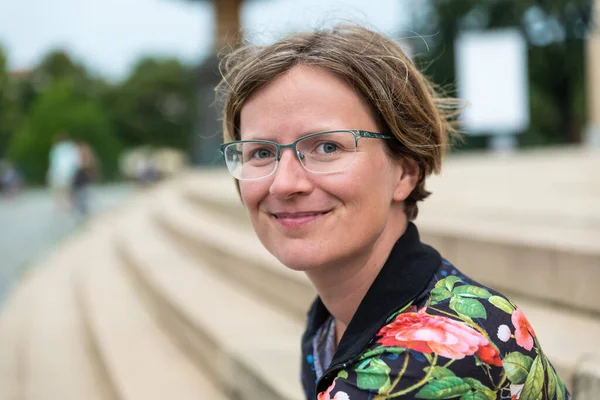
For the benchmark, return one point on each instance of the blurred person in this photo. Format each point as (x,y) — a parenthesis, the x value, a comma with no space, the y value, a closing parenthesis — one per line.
(63,166)
(11,180)
(330,135)
(87,172)
(146,171)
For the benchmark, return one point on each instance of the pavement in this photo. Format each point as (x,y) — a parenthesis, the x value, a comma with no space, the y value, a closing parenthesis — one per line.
(31,226)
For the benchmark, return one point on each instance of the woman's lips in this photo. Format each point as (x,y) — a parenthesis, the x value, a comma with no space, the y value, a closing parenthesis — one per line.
(298,220)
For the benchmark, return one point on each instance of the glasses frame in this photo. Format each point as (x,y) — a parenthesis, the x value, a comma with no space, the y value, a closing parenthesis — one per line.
(279,147)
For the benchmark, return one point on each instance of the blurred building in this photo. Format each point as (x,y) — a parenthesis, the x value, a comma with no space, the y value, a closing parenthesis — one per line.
(227,36)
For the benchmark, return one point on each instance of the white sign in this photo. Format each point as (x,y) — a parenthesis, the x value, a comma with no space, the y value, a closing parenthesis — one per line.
(491,74)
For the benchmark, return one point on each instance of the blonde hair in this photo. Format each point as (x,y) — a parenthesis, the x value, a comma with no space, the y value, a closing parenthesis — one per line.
(405,104)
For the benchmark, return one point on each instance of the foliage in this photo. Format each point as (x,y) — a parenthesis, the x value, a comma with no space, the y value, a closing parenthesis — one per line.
(10,112)
(555,32)
(156,104)
(61,107)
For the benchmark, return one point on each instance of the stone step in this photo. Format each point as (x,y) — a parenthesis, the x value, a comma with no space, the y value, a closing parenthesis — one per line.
(251,349)
(491,253)
(14,318)
(561,183)
(566,334)
(139,359)
(55,360)
(522,222)
(523,259)
(229,245)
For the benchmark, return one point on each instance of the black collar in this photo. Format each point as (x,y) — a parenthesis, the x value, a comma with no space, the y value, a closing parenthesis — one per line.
(406,273)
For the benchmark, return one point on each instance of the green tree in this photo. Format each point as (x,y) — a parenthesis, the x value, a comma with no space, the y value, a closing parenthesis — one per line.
(555,31)
(57,65)
(10,112)
(156,105)
(61,107)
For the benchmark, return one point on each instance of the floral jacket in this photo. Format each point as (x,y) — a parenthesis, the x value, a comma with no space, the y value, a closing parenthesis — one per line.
(424,330)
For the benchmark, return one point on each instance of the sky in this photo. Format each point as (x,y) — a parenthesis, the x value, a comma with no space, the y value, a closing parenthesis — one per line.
(108,36)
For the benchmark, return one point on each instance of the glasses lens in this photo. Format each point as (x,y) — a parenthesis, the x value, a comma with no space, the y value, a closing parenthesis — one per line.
(328,152)
(250,160)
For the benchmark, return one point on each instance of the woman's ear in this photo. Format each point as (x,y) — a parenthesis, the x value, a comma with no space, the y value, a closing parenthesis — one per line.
(408,180)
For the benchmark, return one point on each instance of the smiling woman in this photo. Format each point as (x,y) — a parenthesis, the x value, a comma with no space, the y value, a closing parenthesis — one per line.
(330,135)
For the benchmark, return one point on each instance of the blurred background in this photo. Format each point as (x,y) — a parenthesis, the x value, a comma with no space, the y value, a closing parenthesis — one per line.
(127,88)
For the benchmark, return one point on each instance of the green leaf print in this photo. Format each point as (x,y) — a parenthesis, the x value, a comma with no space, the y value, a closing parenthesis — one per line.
(556,387)
(440,294)
(475,396)
(448,282)
(444,388)
(379,351)
(471,291)
(502,303)
(560,386)
(469,307)
(439,372)
(400,311)
(376,376)
(552,384)
(517,366)
(490,394)
(535,381)
(474,384)
(343,374)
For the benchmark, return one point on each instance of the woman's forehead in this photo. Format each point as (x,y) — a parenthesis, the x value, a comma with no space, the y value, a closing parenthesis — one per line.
(303,101)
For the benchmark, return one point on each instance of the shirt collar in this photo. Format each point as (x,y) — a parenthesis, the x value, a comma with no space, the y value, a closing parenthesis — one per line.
(406,273)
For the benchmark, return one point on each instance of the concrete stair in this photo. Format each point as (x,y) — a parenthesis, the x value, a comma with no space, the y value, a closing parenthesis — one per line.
(13,325)
(527,224)
(78,328)
(249,348)
(173,296)
(54,358)
(44,353)
(139,359)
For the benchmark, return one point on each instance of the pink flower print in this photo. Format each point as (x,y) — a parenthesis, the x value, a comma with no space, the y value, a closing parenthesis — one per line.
(326,395)
(436,334)
(504,333)
(524,333)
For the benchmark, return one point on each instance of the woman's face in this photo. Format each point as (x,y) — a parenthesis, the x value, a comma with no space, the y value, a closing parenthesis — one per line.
(308,220)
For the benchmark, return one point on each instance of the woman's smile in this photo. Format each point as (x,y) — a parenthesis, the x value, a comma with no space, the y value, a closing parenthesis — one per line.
(298,220)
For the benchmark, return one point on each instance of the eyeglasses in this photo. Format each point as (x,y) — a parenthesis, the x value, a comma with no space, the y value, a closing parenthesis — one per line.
(319,153)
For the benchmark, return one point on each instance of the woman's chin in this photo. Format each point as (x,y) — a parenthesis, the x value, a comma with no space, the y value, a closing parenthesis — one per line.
(300,260)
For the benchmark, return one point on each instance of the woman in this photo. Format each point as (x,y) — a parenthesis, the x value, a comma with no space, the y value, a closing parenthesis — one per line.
(63,164)
(85,175)
(331,135)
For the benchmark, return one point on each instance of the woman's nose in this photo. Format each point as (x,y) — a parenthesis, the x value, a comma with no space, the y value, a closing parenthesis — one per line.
(290,178)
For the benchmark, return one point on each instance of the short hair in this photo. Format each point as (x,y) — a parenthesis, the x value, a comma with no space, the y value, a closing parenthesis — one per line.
(403,101)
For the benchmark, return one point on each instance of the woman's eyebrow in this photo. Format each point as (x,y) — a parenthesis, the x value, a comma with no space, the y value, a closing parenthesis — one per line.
(259,136)
(273,138)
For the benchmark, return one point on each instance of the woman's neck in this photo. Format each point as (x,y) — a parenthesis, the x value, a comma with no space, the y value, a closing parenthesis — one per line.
(342,287)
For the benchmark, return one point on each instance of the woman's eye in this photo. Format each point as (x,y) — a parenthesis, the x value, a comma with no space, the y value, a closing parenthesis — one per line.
(327,148)
(262,153)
